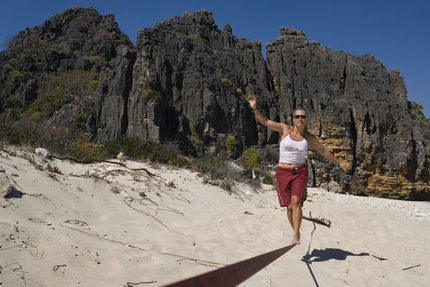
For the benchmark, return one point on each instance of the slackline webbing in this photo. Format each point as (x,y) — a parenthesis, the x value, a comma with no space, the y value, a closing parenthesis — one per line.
(234,274)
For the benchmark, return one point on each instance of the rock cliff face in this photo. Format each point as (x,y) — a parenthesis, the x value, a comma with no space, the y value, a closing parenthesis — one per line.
(186,81)
(357,109)
(201,75)
(71,49)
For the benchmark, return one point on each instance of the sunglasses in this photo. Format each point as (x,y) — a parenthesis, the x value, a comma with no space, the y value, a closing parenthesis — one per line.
(300,117)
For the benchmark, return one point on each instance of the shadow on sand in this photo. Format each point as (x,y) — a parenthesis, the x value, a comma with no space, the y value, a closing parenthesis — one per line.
(12,192)
(320,255)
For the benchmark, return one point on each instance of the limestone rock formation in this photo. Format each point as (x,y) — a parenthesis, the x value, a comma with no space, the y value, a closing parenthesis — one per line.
(356,108)
(190,79)
(79,64)
(77,76)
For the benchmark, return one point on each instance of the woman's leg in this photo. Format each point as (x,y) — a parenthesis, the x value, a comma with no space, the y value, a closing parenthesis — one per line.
(295,212)
(298,191)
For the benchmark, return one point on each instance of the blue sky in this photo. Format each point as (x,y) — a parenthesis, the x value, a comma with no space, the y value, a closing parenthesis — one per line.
(396,32)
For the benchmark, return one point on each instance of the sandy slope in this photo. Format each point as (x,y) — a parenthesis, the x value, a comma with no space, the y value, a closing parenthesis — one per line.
(141,225)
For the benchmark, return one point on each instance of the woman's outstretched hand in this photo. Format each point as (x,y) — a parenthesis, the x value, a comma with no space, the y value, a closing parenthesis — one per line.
(252,101)
(345,165)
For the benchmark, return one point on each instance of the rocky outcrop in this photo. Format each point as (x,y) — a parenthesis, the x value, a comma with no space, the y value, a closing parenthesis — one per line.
(199,76)
(71,50)
(6,186)
(357,109)
(186,80)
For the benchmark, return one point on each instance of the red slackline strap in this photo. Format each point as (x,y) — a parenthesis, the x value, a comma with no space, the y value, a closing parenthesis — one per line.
(234,274)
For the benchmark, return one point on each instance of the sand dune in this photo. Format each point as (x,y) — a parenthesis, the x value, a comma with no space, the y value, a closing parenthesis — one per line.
(136,224)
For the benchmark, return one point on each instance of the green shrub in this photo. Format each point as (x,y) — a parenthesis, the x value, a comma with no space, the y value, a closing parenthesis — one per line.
(16,73)
(10,134)
(59,90)
(179,161)
(85,152)
(239,91)
(92,85)
(17,132)
(197,38)
(249,159)
(44,106)
(151,95)
(94,59)
(415,106)
(212,166)
(10,114)
(131,146)
(12,102)
(68,18)
(179,36)
(230,142)
(152,151)
(226,81)
(134,147)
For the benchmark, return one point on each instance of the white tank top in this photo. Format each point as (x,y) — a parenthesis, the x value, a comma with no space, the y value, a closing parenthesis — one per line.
(293,151)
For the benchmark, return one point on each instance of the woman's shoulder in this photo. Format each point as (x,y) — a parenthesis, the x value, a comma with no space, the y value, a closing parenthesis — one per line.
(286,129)
(309,136)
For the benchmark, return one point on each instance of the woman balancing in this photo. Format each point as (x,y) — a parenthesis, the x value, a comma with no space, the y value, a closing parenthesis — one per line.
(291,171)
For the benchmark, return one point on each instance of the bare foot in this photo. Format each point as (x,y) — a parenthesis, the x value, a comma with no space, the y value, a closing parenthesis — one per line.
(296,239)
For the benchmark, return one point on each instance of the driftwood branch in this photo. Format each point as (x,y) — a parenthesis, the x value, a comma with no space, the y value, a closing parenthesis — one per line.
(322,221)
(107,161)
(410,267)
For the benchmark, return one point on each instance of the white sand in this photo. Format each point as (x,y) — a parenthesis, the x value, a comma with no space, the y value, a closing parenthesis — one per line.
(90,225)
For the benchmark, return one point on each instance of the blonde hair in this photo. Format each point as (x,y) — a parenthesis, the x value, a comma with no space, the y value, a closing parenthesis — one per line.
(300,109)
